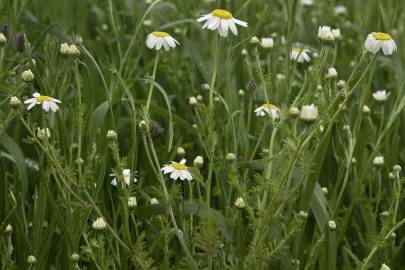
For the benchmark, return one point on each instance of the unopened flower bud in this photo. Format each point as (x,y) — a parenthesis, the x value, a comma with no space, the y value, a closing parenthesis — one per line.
(378,161)
(143,126)
(31,260)
(132,202)
(9,229)
(75,257)
(200,98)
(27,76)
(112,135)
(15,103)
(181,152)
(294,112)
(341,84)
(325,191)
(332,225)
(43,133)
(99,224)
(385,267)
(240,203)
(205,86)
(154,201)
(241,93)
(231,157)
(303,215)
(244,52)
(254,40)
(3,39)
(397,168)
(366,109)
(198,162)
(192,101)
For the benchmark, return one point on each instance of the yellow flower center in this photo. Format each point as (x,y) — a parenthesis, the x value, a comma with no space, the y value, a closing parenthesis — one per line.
(221,13)
(179,166)
(160,34)
(270,106)
(43,98)
(381,36)
(298,50)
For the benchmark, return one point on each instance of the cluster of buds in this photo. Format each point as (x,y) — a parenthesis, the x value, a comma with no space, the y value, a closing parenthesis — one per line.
(69,50)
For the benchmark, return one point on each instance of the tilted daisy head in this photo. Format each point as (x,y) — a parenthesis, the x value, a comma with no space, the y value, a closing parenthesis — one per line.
(270,109)
(127,176)
(377,41)
(223,21)
(177,170)
(158,40)
(300,55)
(46,101)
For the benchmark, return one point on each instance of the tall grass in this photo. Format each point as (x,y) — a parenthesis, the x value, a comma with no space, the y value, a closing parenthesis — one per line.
(270,194)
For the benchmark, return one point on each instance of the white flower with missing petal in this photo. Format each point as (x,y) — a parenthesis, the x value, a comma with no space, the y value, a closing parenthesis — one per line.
(158,40)
(300,55)
(270,109)
(223,21)
(126,174)
(47,102)
(381,95)
(377,41)
(177,170)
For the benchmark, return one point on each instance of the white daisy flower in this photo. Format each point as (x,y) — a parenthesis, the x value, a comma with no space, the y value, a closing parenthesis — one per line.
(177,170)
(381,95)
(340,10)
(325,34)
(223,21)
(126,173)
(47,102)
(272,110)
(377,41)
(267,43)
(332,73)
(300,55)
(309,113)
(158,40)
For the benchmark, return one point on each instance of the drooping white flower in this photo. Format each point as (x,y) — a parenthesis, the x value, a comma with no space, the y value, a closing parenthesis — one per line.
(309,113)
(177,170)
(300,55)
(270,109)
(381,95)
(223,21)
(46,101)
(325,34)
(267,43)
(307,2)
(158,40)
(126,174)
(332,73)
(340,10)
(377,41)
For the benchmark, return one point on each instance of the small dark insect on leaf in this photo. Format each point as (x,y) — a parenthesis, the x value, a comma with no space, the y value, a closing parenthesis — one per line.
(370,146)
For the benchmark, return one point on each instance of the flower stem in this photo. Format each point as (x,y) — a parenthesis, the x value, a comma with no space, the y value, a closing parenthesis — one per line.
(152,82)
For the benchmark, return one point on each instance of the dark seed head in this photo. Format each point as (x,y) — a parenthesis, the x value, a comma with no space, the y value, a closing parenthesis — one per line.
(20,42)
(5,31)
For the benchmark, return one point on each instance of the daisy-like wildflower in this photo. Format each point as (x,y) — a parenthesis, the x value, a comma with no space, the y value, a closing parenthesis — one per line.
(267,43)
(269,109)
(340,10)
(126,173)
(332,73)
(377,41)
(69,50)
(223,21)
(309,113)
(378,161)
(157,40)
(325,33)
(381,95)
(99,224)
(177,170)
(240,203)
(300,55)
(47,102)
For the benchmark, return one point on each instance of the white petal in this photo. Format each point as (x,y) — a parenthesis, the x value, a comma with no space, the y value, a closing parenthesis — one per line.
(53,106)
(213,23)
(45,106)
(159,43)
(165,44)
(232,26)
(30,100)
(151,42)
(167,169)
(174,175)
(205,17)
(114,182)
(56,100)
(31,105)
(36,94)
(183,161)
(225,27)
(170,41)
(241,23)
